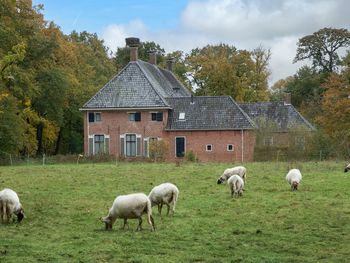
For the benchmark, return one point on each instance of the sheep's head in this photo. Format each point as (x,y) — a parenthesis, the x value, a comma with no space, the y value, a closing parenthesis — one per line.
(347,168)
(108,222)
(220,180)
(295,185)
(20,215)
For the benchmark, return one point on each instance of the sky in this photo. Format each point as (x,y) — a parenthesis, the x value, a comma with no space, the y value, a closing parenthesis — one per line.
(186,24)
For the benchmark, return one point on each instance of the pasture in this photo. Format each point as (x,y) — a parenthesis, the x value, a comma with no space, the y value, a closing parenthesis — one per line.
(269,223)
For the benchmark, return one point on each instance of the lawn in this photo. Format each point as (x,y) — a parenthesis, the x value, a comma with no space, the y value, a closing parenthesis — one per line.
(63,204)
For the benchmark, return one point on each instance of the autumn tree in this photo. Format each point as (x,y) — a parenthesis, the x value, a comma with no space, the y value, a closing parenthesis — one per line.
(224,70)
(322,48)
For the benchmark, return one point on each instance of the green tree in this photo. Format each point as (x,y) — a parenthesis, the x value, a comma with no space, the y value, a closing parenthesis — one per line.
(322,47)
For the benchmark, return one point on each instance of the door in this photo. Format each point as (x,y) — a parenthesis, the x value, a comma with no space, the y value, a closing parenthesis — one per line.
(180,146)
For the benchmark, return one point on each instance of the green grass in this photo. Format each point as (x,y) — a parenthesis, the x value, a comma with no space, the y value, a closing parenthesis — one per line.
(268,224)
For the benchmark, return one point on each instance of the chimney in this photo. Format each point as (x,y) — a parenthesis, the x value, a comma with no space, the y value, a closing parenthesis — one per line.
(170,64)
(133,43)
(287,98)
(152,57)
(192,102)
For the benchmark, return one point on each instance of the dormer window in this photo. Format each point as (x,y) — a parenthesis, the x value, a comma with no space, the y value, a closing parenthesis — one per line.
(181,116)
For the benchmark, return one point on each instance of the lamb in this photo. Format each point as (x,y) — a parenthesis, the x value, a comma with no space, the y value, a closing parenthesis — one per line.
(129,207)
(9,205)
(294,177)
(347,168)
(235,184)
(165,193)
(238,170)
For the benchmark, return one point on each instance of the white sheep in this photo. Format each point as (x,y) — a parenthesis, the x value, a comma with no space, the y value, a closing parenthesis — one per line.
(347,168)
(294,178)
(238,170)
(9,205)
(165,193)
(129,207)
(235,184)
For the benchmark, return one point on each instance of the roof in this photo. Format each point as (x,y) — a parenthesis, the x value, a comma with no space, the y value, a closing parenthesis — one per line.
(284,115)
(139,85)
(207,113)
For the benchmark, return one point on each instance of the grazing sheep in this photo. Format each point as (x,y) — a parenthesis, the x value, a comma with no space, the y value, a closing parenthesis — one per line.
(9,205)
(347,168)
(239,170)
(167,194)
(294,177)
(129,207)
(236,184)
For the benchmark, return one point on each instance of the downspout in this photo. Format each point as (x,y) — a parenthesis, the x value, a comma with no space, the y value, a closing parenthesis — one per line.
(88,132)
(242,146)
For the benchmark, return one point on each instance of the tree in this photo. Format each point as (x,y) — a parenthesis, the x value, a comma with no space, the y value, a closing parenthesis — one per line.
(224,70)
(322,47)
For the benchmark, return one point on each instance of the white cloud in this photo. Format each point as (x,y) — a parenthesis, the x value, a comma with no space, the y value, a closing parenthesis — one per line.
(246,24)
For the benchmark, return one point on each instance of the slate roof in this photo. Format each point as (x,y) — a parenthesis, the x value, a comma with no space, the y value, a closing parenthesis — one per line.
(284,115)
(207,113)
(139,85)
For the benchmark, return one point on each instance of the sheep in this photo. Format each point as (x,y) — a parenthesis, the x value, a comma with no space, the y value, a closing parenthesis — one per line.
(294,177)
(165,193)
(129,206)
(235,184)
(239,170)
(9,205)
(347,168)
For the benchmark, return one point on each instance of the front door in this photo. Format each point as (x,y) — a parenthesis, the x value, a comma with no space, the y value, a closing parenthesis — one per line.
(180,146)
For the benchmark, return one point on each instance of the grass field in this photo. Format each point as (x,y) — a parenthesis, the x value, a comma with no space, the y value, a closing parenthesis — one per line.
(268,224)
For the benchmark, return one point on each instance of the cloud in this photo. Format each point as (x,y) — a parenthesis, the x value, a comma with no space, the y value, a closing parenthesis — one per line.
(246,24)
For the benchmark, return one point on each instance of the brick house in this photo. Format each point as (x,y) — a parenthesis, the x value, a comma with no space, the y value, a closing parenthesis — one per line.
(144,102)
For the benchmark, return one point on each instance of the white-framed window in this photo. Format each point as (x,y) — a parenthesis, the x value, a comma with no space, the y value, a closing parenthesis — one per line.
(230,148)
(268,140)
(209,147)
(146,145)
(181,116)
(98,144)
(130,145)
(95,117)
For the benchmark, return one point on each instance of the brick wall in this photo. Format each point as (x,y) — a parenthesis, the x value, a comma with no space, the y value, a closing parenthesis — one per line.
(115,123)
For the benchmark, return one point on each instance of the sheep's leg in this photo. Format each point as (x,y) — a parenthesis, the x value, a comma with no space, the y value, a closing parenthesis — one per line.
(160,209)
(2,214)
(139,227)
(125,223)
(168,206)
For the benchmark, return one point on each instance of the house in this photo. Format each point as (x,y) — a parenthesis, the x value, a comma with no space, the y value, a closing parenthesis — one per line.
(145,103)
(279,122)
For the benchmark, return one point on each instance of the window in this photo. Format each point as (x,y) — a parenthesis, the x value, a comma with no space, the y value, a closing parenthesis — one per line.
(130,145)
(230,147)
(94,116)
(181,116)
(268,141)
(209,147)
(135,116)
(98,144)
(157,116)
(300,141)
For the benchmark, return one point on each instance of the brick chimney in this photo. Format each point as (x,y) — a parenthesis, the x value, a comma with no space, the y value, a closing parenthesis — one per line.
(287,98)
(133,43)
(170,63)
(152,57)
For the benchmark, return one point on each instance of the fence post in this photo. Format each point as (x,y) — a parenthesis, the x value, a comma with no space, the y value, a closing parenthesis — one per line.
(43,158)
(320,155)
(11,159)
